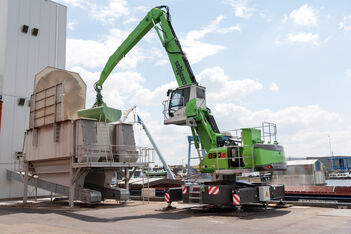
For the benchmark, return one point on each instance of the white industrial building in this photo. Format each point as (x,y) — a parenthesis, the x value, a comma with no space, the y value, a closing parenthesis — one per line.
(32,36)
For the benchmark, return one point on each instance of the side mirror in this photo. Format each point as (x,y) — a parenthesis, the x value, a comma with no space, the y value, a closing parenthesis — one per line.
(168,92)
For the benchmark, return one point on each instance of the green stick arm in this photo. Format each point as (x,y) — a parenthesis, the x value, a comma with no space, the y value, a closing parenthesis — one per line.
(179,62)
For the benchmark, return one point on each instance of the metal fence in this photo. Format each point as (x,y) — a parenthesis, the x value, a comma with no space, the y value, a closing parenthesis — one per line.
(268,132)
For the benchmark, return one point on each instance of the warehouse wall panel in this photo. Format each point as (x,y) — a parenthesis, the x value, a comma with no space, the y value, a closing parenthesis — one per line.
(22,55)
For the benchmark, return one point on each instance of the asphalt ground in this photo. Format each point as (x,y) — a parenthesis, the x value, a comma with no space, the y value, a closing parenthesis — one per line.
(136,217)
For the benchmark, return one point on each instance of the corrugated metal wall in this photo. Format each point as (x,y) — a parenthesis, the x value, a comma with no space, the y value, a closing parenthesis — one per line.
(22,55)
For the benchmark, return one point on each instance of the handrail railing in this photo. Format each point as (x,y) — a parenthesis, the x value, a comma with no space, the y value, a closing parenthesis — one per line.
(114,153)
(166,106)
(268,132)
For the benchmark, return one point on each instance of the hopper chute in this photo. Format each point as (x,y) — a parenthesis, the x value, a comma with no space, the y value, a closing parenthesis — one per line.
(101,113)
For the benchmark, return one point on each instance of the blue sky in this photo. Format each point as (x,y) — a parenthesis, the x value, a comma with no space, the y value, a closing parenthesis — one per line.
(287,62)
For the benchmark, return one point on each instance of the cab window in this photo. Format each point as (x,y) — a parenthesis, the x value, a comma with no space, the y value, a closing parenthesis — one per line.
(200,93)
(179,99)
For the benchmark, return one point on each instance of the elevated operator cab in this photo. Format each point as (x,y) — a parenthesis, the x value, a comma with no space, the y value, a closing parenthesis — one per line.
(175,107)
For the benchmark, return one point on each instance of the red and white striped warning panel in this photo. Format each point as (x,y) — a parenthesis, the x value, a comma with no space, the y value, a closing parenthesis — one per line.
(167,197)
(213,190)
(184,190)
(236,199)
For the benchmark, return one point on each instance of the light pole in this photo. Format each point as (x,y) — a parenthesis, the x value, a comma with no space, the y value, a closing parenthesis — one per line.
(330,148)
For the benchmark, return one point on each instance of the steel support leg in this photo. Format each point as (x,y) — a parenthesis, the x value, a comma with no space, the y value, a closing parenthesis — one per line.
(25,183)
(71,187)
(189,155)
(36,190)
(126,178)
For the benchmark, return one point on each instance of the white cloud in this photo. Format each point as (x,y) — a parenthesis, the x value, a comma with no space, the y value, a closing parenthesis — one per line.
(304,16)
(302,130)
(348,73)
(345,24)
(152,97)
(220,87)
(71,25)
(265,15)
(94,54)
(308,116)
(141,9)
(130,20)
(273,87)
(284,19)
(241,8)
(117,90)
(213,27)
(162,61)
(74,3)
(298,38)
(110,13)
(106,13)
(303,38)
(197,50)
(121,86)
(86,53)
(170,139)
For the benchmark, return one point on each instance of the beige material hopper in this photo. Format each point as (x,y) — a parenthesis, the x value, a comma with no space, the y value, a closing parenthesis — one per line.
(57,96)
(79,155)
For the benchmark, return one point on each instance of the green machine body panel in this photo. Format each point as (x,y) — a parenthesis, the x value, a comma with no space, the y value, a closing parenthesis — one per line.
(250,136)
(215,159)
(252,154)
(269,157)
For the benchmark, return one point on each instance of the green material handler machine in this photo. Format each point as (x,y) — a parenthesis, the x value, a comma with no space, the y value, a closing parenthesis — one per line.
(186,106)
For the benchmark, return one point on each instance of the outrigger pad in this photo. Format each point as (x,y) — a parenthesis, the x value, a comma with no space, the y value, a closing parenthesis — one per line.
(101,114)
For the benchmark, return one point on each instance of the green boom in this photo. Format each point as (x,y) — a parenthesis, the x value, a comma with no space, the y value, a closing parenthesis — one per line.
(177,58)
